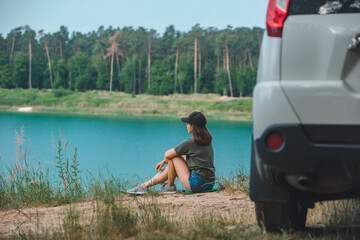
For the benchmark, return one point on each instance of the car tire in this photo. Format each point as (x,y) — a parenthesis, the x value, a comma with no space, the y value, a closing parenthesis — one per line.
(275,207)
(279,216)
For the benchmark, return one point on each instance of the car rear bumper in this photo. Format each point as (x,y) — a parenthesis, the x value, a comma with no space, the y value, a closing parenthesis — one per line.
(314,158)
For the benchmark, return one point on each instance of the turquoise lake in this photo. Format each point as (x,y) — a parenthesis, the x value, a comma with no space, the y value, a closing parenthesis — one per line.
(124,146)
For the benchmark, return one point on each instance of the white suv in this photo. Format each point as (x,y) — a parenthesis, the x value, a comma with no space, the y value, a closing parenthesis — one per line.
(306,106)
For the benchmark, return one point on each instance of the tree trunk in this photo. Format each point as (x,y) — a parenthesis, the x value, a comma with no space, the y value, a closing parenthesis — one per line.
(12,49)
(30,63)
(228,68)
(126,54)
(139,87)
(118,68)
(195,64)
(245,60)
(224,59)
(103,53)
(61,52)
(250,60)
(176,67)
(206,64)
(237,59)
(78,50)
(217,57)
(111,71)
(134,79)
(259,39)
(199,60)
(117,63)
(168,59)
(149,61)
(49,63)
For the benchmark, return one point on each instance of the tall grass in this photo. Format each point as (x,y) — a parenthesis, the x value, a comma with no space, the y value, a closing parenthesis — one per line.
(142,220)
(339,219)
(237,181)
(24,184)
(106,189)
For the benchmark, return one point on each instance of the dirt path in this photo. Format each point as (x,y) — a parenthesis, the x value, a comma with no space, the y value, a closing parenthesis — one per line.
(181,206)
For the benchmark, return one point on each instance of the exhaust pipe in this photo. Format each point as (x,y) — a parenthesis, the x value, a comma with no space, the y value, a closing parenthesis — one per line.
(306,180)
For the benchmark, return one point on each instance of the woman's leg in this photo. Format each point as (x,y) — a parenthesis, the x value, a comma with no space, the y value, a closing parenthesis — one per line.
(177,167)
(158,178)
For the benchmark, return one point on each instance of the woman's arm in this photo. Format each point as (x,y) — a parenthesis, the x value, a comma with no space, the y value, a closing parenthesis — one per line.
(169,154)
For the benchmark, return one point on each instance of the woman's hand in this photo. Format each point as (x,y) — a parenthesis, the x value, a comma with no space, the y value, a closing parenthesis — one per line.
(160,165)
(169,154)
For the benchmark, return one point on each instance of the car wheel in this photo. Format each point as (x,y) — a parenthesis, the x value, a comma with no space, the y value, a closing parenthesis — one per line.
(278,216)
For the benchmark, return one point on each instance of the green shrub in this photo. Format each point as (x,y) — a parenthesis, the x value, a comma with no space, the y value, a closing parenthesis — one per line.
(60,92)
(238,181)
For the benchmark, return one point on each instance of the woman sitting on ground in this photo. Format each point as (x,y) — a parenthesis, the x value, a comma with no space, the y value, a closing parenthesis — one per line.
(192,161)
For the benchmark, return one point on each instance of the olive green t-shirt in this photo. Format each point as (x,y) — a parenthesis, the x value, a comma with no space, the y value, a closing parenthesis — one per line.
(200,159)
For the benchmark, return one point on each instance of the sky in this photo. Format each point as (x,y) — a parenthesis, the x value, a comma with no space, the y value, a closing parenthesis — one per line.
(88,15)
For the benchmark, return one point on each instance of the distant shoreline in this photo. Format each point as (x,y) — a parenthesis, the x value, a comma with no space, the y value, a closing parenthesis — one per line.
(214,106)
(45,110)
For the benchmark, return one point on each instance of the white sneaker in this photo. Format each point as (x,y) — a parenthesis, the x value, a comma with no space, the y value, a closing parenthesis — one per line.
(167,190)
(137,190)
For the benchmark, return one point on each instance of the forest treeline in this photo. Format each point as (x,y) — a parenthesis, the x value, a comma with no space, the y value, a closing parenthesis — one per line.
(202,60)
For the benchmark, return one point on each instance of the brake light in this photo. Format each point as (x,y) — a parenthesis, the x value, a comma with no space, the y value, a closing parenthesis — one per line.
(274,141)
(275,18)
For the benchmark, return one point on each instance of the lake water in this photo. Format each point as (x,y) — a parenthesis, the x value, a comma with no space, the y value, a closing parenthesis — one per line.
(125,146)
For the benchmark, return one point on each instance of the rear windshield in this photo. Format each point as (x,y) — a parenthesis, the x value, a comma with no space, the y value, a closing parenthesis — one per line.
(297,7)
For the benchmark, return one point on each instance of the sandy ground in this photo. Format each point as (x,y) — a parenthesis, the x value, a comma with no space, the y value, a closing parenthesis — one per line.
(181,206)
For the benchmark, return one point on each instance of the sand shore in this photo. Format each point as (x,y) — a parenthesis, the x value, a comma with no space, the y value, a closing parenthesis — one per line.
(181,206)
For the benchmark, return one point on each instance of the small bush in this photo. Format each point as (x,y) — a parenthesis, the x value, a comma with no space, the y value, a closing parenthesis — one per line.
(239,181)
(60,92)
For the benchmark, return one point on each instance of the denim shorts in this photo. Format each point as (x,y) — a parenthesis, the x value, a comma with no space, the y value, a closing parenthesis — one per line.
(199,184)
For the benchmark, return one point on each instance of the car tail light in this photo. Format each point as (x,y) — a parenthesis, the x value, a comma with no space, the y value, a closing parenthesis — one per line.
(274,141)
(276,15)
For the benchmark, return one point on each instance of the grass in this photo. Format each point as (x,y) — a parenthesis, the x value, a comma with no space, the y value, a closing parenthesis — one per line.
(238,181)
(117,103)
(143,218)
(117,220)
(150,220)
(338,219)
(25,185)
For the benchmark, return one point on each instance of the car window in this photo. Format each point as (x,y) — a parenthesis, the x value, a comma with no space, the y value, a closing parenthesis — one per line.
(297,7)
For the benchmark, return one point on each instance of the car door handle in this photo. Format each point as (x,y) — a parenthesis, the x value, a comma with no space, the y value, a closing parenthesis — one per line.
(354,42)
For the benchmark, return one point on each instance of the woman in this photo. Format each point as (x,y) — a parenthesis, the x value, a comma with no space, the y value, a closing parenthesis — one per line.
(192,161)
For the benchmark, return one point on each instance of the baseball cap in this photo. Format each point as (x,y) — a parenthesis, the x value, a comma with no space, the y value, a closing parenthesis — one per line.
(195,118)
